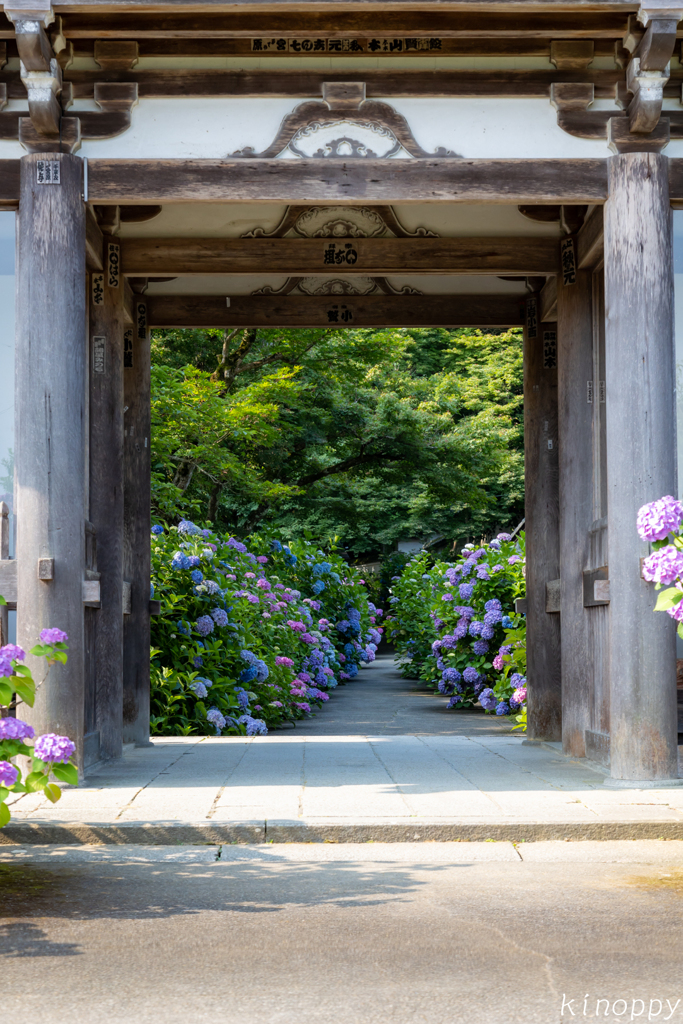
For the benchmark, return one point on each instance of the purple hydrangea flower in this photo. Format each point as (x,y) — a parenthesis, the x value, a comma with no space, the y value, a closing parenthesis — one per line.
(660,518)
(204,625)
(487,632)
(55,749)
(676,612)
(482,574)
(466,590)
(8,774)
(502,708)
(5,666)
(514,558)
(218,720)
(198,661)
(475,628)
(664,565)
(516,679)
(53,636)
(470,675)
(447,597)
(480,647)
(15,729)
(199,689)
(455,700)
(487,699)
(504,536)
(256,726)
(12,652)
(219,616)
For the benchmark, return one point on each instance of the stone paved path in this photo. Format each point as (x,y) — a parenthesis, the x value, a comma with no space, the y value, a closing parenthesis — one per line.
(383,761)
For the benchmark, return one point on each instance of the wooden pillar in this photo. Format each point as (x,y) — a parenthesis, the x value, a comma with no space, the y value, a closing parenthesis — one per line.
(4,554)
(106,493)
(50,415)
(641,451)
(542,525)
(575,427)
(137,523)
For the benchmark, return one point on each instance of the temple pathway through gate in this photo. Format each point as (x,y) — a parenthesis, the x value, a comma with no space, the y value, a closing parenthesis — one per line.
(383,761)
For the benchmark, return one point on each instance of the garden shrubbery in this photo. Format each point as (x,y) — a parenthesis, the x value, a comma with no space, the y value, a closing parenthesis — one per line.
(250,638)
(455,627)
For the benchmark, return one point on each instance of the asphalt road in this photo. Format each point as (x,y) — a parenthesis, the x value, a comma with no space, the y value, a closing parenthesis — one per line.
(437,933)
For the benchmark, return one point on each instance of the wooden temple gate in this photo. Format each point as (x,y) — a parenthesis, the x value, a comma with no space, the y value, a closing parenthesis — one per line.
(515,145)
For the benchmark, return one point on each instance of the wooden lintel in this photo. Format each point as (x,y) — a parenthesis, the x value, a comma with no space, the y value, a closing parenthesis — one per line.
(335,310)
(94,244)
(499,46)
(582,181)
(110,20)
(590,241)
(548,301)
(302,84)
(150,257)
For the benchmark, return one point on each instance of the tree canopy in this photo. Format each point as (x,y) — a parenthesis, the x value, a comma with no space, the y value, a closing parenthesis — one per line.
(367,435)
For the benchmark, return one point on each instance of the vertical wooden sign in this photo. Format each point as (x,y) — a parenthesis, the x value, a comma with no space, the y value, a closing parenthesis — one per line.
(99,354)
(97,285)
(48,172)
(141,320)
(113,264)
(549,350)
(568,261)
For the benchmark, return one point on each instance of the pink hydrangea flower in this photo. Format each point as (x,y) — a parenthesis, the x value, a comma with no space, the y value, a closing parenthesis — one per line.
(498,663)
(261,559)
(658,519)
(53,636)
(664,565)
(283,660)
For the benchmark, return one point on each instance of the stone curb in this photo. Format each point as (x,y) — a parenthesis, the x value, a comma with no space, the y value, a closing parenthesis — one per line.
(192,833)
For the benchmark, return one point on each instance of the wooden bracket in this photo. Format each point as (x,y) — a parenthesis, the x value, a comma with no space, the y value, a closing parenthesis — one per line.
(572,54)
(116,54)
(596,587)
(46,569)
(647,88)
(621,139)
(552,597)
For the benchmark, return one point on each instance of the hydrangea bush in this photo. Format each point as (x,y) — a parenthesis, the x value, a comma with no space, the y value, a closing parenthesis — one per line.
(250,638)
(659,523)
(50,754)
(455,625)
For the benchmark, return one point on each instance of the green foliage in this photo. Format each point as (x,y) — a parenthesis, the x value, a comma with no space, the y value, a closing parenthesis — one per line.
(238,648)
(368,435)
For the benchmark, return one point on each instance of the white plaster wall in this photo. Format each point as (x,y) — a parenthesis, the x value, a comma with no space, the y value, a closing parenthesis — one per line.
(221,284)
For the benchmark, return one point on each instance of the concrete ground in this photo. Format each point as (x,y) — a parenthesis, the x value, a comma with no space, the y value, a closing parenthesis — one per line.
(424,933)
(383,761)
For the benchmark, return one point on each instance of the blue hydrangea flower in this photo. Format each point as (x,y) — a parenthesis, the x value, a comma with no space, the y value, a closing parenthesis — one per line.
(354,615)
(254,726)
(247,674)
(204,625)
(249,657)
(480,647)
(455,700)
(196,576)
(352,670)
(185,526)
(219,616)
(198,687)
(194,561)
(318,587)
(242,695)
(217,719)
(180,561)
(156,529)
(502,709)
(211,587)
(198,661)
(507,622)
(262,671)
(275,545)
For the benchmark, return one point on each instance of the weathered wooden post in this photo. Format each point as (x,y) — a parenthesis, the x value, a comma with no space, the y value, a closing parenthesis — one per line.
(641,449)
(106,491)
(137,496)
(542,524)
(50,418)
(4,554)
(575,425)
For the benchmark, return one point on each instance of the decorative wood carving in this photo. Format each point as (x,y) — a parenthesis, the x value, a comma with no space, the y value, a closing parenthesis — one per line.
(359,121)
(340,221)
(337,286)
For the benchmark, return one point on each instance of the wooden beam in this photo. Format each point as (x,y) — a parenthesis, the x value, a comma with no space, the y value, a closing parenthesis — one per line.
(242,47)
(9,184)
(88,21)
(335,310)
(150,257)
(548,301)
(146,182)
(302,84)
(590,241)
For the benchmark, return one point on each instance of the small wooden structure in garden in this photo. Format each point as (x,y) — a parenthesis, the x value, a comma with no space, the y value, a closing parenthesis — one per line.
(465,163)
